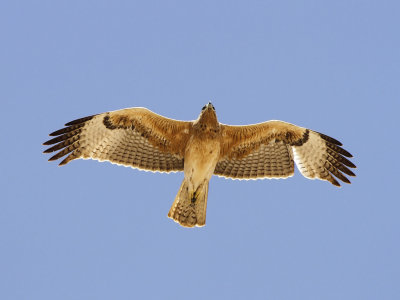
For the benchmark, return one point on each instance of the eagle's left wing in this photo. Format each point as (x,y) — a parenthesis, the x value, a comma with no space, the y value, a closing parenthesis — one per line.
(267,150)
(135,137)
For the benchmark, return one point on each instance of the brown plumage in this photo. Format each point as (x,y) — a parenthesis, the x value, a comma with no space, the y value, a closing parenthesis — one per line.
(139,138)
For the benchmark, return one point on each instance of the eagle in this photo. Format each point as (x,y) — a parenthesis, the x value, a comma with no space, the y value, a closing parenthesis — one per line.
(141,139)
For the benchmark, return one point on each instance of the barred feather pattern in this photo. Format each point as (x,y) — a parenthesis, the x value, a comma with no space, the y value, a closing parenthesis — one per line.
(88,138)
(321,157)
(190,210)
(272,160)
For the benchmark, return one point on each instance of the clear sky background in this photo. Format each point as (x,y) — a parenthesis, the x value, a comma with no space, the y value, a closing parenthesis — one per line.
(93,230)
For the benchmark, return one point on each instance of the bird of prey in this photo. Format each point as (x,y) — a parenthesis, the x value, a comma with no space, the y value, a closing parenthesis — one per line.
(142,139)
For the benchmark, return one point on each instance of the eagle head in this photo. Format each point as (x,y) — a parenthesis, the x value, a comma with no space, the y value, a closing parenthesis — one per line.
(208,117)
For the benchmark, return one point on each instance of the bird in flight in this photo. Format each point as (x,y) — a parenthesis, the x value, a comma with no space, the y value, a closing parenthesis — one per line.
(142,139)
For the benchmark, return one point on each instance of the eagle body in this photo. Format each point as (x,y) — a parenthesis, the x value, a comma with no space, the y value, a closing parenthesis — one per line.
(202,152)
(201,156)
(140,138)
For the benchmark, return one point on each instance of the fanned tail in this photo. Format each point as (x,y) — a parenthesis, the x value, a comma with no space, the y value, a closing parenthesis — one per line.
(189,208)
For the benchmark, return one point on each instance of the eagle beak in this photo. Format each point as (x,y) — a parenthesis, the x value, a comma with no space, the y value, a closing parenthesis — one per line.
(210,106)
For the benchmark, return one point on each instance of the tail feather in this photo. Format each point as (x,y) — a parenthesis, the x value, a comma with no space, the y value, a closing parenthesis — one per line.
(189,208)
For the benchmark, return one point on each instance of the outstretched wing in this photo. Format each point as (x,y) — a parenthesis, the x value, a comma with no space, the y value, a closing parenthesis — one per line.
(267,150)
(134,137)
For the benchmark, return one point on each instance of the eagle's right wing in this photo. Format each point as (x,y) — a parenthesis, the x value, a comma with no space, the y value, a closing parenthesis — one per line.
(135,137)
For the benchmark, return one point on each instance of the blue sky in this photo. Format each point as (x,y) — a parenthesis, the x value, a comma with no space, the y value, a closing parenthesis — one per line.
(94,230)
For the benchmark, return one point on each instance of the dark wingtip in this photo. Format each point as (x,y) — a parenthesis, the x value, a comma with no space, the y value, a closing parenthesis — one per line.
(67,129)
(346,180)
(63,163)
(338,149)
(54,133)
(334,182)
(351,165)
(58,132)
(70,126)
(59,154)
(330,139)
(346,153)
(80,120)
(47,143)
(52,141)
(350,173)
